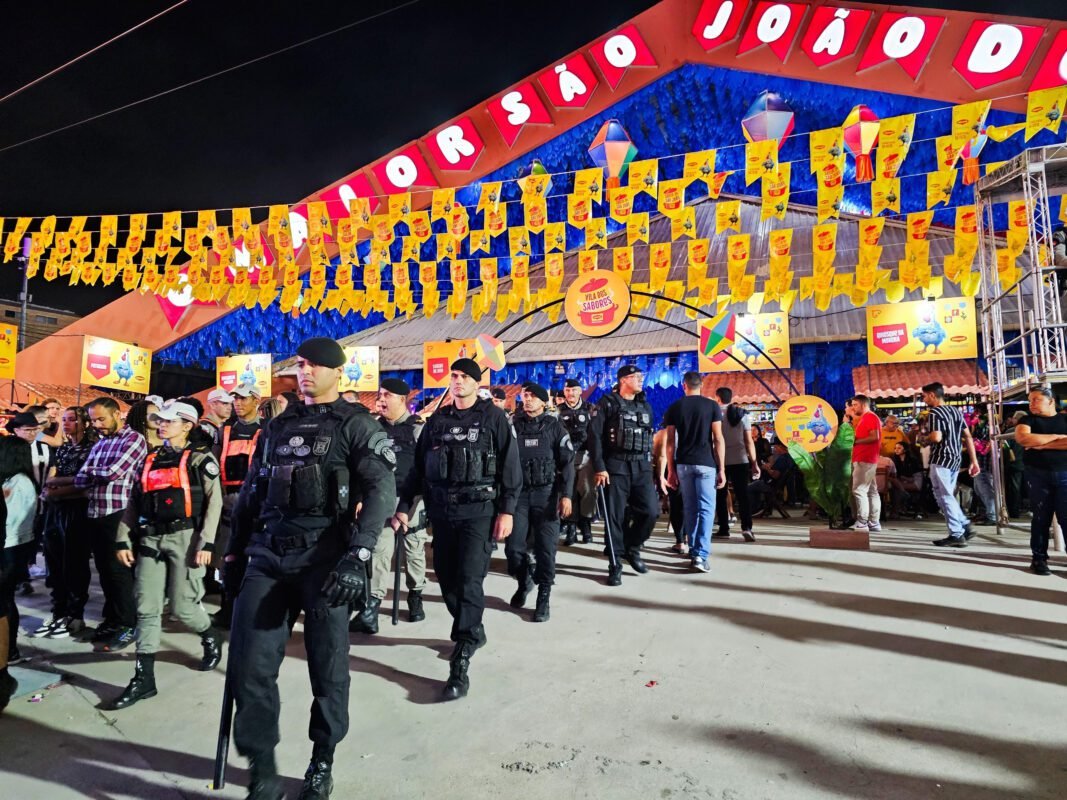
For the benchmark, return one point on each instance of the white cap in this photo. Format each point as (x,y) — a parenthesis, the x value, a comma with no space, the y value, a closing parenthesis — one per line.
(175,410)
(221,395)
(155,400)
(245,390)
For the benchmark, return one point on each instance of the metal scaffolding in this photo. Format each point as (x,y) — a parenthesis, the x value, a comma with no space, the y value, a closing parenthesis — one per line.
(1023,328)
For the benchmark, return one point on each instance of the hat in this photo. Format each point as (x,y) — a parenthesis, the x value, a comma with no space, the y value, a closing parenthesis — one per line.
(537,391)
(572,383)
(220,395)
(175,410)
(246,390)
(396,386)
(1018,415)
(322,351)
(155,400)
(467,366)
(499,393)
(627,369)
(23,419)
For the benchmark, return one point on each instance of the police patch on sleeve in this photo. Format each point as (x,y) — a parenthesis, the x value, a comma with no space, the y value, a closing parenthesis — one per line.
(381,445)
(211,469)
(565,442)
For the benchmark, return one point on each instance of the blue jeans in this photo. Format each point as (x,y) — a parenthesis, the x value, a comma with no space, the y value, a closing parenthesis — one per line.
(943,485)
(697,485)
(1048,496)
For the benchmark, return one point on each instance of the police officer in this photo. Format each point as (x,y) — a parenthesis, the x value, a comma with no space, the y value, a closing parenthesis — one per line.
(467,469)
(620,448)
(237,441)
(576,414)
(403,429)
(175,508)
(547,460)
(311,466)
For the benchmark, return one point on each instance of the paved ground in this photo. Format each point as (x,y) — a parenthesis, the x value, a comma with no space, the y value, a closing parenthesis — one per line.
(905,672)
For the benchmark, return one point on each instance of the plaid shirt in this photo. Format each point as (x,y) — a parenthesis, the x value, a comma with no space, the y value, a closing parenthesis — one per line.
(109,473)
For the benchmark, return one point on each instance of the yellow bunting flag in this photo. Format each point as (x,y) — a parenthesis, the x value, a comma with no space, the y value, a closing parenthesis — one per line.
(489,200)
(587,261)
(319,219)
(621,201)
(637,228)
(780,246)
(643,176)
(596,233)
(895,135)
(48,230)
(382,229)
(419,226)
(480,242)
(715,187)
(444,199)
(673,291)
(939,186)
(536,213)
(1044,110)
(520,278)
(412,249)
(659,265)
(672,197)
(699,166)
(728,217)
(206,224)
(829,194)
(885,195)
(639,302)
(579,211)
(13,244)
(761,160)
(277,221)
(448,247)
(870,232)
(555,237)
(823,246)
(622,262)
(589,183)
(966,234)
(968,119)
(776,193)
(947,151)
(554,270)
(697,268)
(919,224)
(1018,227)
(535,185)
(109,228)
(398,207)
(738,250)
(826,148)
(685,225)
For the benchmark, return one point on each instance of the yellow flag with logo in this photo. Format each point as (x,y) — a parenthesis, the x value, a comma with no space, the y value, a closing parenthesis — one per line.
(775,190)
(673,290)
(536,213)
(534,186)
(621,202)
(587,261)
(488,200)
(382,229)
(968,119)
(761,160)
(13,244)
(919,224)
(589,183)
(596,233)
(659,266)
(448,247)
(699,166)
(554,270)
(398,207)
(205,223)
(671,200)
(829,195)
(555,237)
(823,246)
(520,278)
(1044,110)
(442,202)
(480,242)
(966,231)
(684,225)
(277,221)
(728,217)
(637,228)
(622,262)
(826,148)
(579,211)
(948,152)
(779,248)
(643,176)
(518,240)
(109,228)
(738,250)
(319,219)
(939,186)
(885,195)
(715,187)
(895,135)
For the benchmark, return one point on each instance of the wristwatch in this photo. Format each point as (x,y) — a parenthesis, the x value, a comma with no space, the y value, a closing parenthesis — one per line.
(363,554)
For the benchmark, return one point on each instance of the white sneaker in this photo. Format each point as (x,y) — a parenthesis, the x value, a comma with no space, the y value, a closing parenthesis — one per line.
(47,626)
(701,565)
(60,631)
(749,536)
(860,527)
(874,528)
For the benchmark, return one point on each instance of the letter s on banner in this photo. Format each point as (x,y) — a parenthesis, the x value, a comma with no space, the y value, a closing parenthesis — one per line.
(718,22)
(404,170)
(834,33)
(904,38)
(617,53)
(516,108)
(993,52)
(456,146)
(1053,71)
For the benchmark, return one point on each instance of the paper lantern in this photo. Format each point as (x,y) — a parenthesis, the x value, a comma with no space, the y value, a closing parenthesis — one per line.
(861,137)
(769,117)
(969,153)
(612,150)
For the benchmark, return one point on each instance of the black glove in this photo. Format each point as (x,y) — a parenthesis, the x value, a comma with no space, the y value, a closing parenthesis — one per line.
(233,574)
(348,582)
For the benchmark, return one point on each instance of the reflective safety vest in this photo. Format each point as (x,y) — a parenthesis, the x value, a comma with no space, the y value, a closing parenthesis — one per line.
(235,457)
(168,492)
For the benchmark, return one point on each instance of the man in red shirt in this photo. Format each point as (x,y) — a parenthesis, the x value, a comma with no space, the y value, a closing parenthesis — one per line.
(865,451)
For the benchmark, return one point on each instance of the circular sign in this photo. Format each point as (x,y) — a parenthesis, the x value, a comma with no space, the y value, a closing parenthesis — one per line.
(808,420)
(597,303)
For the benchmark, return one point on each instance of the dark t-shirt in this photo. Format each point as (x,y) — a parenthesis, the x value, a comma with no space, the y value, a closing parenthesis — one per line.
(692,417)
(1055,460)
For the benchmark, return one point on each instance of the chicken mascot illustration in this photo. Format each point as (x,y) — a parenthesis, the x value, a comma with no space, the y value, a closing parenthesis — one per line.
(249,375)
(751,344)
(819,426)
(929,332)
(123,368)
(352,370)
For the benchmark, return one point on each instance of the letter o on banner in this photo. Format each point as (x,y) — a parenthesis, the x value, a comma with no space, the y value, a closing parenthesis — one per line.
(620,51)
(401,171)
(904,37)
(774,23)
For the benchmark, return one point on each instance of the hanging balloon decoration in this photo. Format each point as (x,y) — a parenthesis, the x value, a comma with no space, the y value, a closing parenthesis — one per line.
(861,137)
(612,150)
(970,153)
(769,117)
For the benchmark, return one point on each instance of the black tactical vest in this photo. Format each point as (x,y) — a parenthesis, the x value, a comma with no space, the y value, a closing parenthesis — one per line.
(461,456)
(402,440)
(536,452)
(629,428)
(171,490)
(576,421)
(303,470)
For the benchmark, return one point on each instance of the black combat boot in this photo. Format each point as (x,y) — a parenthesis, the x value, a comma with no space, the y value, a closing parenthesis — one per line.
(415,612)
(587,530)
(366,621)
(633,555)
(615,575)
(318,780)
(571,534)
(544,591)
(526,584)
(458,683)
(264,783)
(211,639)
(143,684)
(480,639)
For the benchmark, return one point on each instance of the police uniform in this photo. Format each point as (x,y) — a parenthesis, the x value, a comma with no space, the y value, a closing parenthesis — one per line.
(620,443)
(310,466)
(547,460)
(576,420)
(467,471)
(175,510)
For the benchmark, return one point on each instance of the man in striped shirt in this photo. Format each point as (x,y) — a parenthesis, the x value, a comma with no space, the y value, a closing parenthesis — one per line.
(947,435)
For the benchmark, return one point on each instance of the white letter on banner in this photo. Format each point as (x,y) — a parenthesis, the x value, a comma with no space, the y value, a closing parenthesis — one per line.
(718,25)
(570,85)
(620,51)
(997,47)
(833,35)
(904,37)
(774,23)
(401,171)
(453,145)
(518,112)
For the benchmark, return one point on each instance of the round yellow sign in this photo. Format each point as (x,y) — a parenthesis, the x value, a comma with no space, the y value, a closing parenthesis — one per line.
(597,303)
(807,420)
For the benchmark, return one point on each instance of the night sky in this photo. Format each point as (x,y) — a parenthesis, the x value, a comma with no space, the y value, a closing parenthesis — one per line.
(271,132)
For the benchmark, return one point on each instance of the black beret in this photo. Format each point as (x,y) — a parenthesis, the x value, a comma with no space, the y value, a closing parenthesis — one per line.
(23,419)
(396,386)
(628,369)
(537,391)
(499,393)
(572,383)
(468,366)
(323,351)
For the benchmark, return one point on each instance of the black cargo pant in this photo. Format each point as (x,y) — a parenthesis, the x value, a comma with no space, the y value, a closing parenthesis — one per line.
(738,476)
(462,548)
(632,504)
(273,582)
(116,580)
(536,523)
(67,551)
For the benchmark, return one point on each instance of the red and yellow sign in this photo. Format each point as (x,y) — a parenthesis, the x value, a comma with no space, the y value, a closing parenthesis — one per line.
(597,303)
(230,371)
(808,420)
(9,341)
(361,370)
(926,330)
(115,365)
(753,333)
(437,358)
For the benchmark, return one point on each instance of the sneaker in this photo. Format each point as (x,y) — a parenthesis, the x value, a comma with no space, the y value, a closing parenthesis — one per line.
(875,528)
(1040,567)
(122,639)
(104,631)
(951,541)
(16,657)
(749,536)
(701,565)
(61,629)
(47,626)
(969,532)
(860,527)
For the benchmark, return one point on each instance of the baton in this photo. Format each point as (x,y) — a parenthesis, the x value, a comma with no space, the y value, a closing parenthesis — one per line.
(396,578)
(602,501)
(222,747)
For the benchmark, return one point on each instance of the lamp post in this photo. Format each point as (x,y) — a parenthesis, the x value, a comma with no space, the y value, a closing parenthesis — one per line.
(24,297)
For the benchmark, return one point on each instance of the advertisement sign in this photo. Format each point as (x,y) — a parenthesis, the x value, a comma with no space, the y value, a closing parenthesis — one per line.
(246,368)
(766,332)
(361,370)
(597,303)
(9,341)
(437,358)
(926,330)
(808,420)
(115,365)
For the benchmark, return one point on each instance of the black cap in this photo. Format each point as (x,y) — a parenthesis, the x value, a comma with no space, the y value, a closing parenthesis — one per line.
(628,369)
(499,393)
(468,366)
(571,383)
(396,386)
(537,391)
(23,419)
(323,351)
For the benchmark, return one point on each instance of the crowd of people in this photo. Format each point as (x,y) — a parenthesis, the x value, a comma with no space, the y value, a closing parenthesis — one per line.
(299,503)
